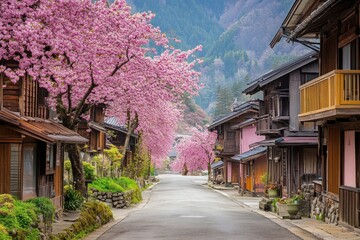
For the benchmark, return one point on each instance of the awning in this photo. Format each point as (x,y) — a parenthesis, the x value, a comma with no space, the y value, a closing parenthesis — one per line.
(217,164)
(251,154)
(287,141)
(298,141)
(268,142)
(97,127)
(42,129)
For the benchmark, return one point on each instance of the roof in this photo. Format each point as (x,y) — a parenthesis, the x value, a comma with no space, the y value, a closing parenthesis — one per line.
(251,154)
(281,71)
(244,124)
(96,126)
(115,124)
(217,164)
(240,110)
(306,18)
(43,129)
(288,141)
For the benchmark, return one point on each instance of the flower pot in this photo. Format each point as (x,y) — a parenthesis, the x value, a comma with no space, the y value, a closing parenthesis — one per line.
(273,193)
(293,208)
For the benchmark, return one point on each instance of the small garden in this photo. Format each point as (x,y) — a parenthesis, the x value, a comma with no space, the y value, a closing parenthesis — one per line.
(25,219)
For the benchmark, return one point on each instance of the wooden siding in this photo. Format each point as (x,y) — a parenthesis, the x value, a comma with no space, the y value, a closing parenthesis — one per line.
(11,95)
(4,168)
(29,97)
(328,57)
(333,168)
(349,206)
(328,94)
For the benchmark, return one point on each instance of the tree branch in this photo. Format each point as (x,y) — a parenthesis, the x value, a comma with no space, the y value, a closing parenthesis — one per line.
(80,105)
(118,66)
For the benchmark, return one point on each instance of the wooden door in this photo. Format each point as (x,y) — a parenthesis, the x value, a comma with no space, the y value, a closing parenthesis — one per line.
(235,172)
(4,168)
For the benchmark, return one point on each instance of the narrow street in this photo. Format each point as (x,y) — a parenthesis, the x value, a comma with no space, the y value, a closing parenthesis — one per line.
(181,208)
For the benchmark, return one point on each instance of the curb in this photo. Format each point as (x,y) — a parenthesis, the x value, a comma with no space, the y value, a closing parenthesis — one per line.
(101,230)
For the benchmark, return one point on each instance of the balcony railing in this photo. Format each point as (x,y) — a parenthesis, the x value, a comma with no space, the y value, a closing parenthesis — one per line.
(230,147)
(265,125)
(330,95)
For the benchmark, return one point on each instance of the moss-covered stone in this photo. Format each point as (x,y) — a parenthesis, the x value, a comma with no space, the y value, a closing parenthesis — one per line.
(93,215)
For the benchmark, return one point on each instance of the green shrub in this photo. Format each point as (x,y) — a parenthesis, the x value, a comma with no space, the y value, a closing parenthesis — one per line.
(106,185)
(118,185)
(45,207)
(18,219)
(89,171)
(73,199)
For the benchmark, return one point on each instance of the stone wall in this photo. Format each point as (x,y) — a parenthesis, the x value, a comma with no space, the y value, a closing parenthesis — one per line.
(308,192)
(325,208)
(115,200)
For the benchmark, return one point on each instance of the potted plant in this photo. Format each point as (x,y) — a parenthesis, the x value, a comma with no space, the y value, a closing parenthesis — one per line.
(272,190)
(293,205)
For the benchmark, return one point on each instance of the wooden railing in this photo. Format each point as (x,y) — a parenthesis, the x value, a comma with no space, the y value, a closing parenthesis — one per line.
(230,146)
(263,123)
(336,89)
(349,200)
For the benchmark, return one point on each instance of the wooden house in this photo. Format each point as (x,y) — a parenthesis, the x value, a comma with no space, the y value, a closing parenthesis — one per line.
(332,100)
(292,145)
(253,163)
(94,131)
(228,141)
(118,136)
(31,145)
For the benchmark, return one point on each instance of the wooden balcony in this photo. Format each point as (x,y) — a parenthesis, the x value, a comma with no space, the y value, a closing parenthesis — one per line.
(266,125)
(230,147)
(333,95)
(350,205)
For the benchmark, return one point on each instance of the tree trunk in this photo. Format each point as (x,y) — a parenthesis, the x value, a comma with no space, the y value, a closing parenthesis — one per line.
(77,168)
(209,171)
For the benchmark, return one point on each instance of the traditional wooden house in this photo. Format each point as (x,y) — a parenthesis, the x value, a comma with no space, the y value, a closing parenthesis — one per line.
(94,131)
(31,145)
(332,100)
(118,136)
(228,141)
(253,163)
(292,145)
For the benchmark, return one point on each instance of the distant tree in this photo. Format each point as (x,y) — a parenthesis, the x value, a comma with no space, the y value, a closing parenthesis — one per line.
(195,153)
(224,99)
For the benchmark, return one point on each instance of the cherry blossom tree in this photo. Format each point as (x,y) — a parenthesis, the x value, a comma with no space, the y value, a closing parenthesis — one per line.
(196,152)
(86,53)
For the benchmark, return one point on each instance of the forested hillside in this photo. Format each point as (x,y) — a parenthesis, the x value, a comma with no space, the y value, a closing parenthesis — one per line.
(235,35)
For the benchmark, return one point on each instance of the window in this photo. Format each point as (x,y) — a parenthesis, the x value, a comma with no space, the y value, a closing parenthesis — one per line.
(50,157)
(29,171)
(15,175)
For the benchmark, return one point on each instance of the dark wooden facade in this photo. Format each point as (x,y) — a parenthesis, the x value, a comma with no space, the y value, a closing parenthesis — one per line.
(333,99)
(31,147)
(228,140)
(291,144)
(94,131)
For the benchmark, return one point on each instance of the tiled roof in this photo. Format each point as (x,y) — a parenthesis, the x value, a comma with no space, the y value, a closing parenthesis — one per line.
(43,129)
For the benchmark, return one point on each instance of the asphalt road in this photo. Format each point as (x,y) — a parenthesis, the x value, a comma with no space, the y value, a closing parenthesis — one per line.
(181,208)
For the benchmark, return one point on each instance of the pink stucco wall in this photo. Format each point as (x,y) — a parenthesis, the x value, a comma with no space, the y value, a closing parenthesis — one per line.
(248,137)
(229,171)
(349,159)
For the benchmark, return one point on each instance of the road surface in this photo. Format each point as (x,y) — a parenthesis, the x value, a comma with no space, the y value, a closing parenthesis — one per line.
(180,207)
